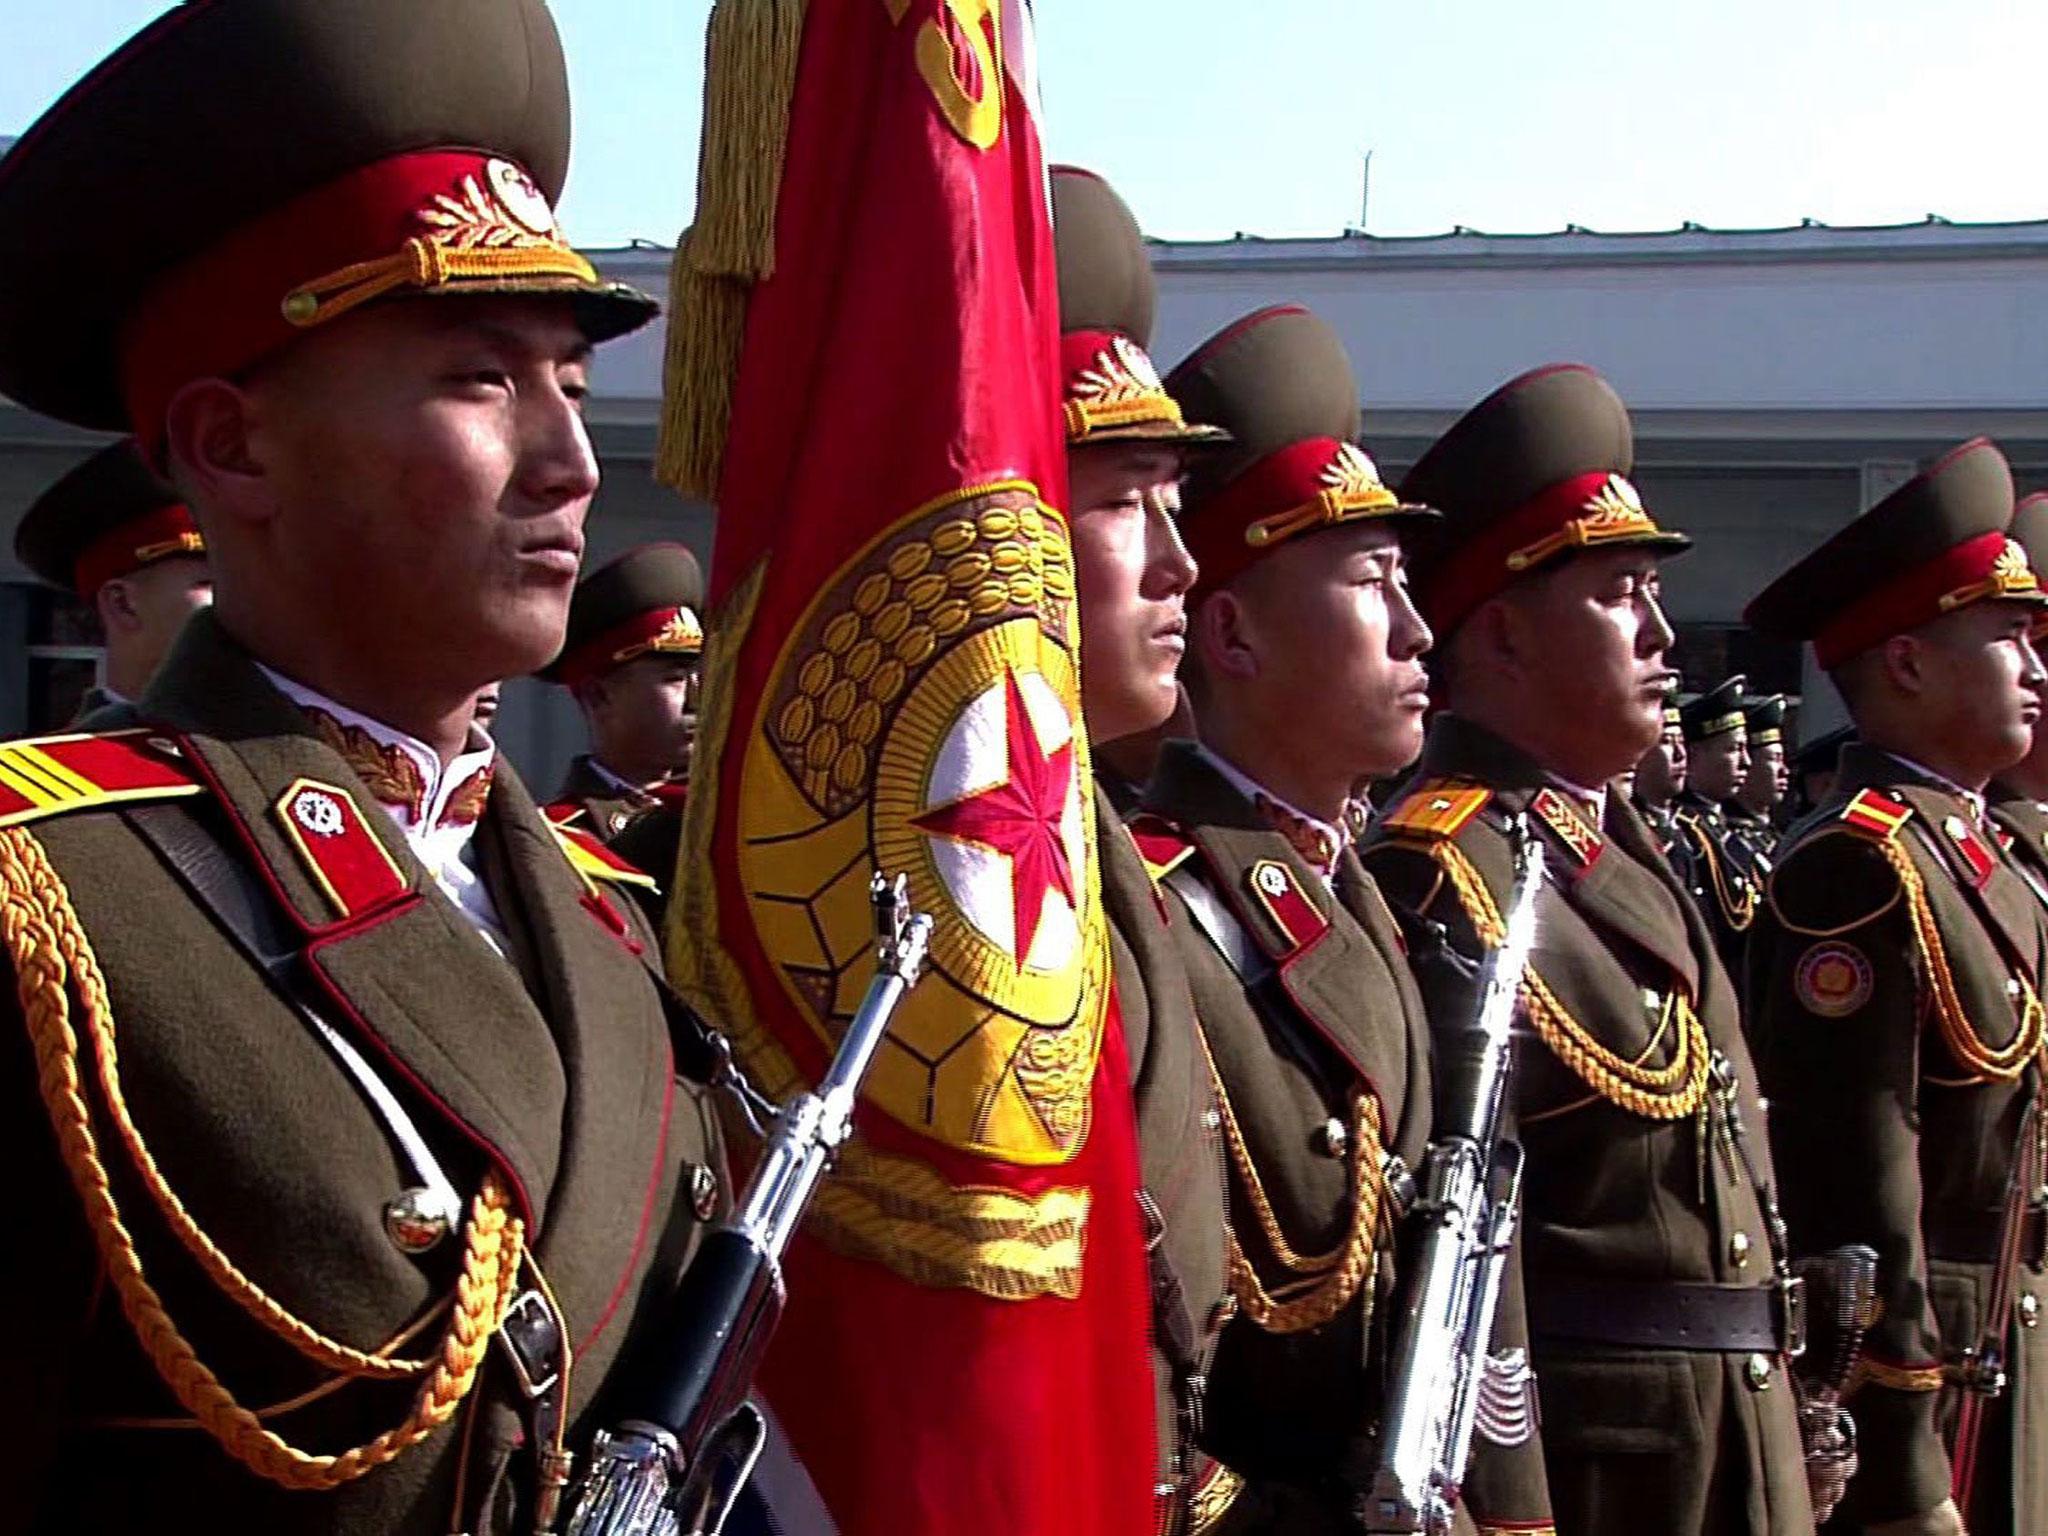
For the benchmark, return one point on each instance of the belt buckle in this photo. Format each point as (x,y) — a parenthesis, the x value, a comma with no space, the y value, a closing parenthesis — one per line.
(1790,1293)
(533,1342)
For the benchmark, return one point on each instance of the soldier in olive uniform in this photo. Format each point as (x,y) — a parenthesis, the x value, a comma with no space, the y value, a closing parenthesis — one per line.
(1894,982)
(632,661)
(1305,676)
(392,1166)
(2019,795)
(1660,780)
(1658,1334)
(118,535)
(1127,446)
(1717,758)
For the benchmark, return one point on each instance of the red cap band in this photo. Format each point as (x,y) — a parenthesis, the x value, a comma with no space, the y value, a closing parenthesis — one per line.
(423,220)
(673,630)
(140,541)
(1585,510)
(1110,382)
(1292,490)
(1990,565)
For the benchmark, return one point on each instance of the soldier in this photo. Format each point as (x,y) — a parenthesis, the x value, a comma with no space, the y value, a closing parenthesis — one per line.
(1752,815)
(1717,757)
(116,534)
(2019,795)
(1660,780)
(1894,981)
(1305,676)
(391,1169)
(631,661)
(1658,1339)
(1813,773)
(1127,446)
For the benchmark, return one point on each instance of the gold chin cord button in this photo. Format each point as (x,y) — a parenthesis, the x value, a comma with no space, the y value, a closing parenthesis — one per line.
(1758,1369)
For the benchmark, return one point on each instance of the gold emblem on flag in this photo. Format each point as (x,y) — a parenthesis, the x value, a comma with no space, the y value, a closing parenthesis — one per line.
(925,719)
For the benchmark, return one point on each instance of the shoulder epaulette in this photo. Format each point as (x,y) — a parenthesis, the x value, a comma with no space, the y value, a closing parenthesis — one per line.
(1437,808)
(595,861)
(51,775)
(1161,845)
(1876,815)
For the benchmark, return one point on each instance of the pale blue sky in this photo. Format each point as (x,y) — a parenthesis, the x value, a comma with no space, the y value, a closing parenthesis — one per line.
(1221,115)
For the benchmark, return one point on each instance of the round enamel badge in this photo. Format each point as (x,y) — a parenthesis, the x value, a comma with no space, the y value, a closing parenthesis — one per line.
(318,812)
(518,196)
(1832,980)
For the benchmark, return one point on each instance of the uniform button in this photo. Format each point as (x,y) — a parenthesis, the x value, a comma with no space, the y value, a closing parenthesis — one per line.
(1212,1119)
(618,820)
(416,1219)
(1758,1369)
(1738,1249)
(1332,1140)
(2030,1310)
(703,1184)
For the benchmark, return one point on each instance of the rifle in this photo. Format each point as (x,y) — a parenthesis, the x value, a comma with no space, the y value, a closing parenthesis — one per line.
(1471,1189)
(681,1452)
(1981,1371)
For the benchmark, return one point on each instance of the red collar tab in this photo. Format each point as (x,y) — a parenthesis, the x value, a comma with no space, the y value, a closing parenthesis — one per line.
(1977,859)
(1109,382)
(123,550)
(1297,489)
(344,857)
(433,219)
(1573,828)
(1988,566)
(1876,814)
(1279,895)
(1583,512)
(672,629)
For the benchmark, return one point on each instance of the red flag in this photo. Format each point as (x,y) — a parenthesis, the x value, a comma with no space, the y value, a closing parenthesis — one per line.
(890,682)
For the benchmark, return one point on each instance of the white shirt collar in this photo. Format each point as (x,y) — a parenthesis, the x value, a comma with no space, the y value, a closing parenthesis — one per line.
(436,807)
(1332,837)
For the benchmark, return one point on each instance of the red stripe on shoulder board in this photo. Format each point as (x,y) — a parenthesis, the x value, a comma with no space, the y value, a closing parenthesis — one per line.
(582,845)
(125,760)
(1872,811)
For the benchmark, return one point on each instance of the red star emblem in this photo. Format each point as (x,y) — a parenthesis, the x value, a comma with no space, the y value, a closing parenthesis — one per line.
(1019,818)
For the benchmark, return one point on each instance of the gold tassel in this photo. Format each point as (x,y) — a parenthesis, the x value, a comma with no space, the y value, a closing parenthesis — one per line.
(751,49)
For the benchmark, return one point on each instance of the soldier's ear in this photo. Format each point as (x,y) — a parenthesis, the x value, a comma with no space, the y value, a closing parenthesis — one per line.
(208,440)
(1222,633)
(115,601)
(1902,662)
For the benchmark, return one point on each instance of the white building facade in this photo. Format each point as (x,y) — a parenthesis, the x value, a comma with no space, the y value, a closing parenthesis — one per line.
(1780,380)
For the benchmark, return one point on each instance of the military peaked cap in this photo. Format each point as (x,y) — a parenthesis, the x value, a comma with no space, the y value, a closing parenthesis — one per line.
(1110,390)
(1937,543)
(1535,471)
(109,517)
(1715,712)
(243,170)
(647,600)
(1279,382)
(1764,716)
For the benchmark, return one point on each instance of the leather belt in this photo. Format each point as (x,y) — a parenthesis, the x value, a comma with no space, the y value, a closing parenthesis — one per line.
(1650,1314)
(1971,1237)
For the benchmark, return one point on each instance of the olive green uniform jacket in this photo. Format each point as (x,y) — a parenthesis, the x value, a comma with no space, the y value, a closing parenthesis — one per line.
(1897,942)
(1329,1046)
(555,1075)
(1631,1187)
(1180,1149)
(589,800)
(2024,821)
